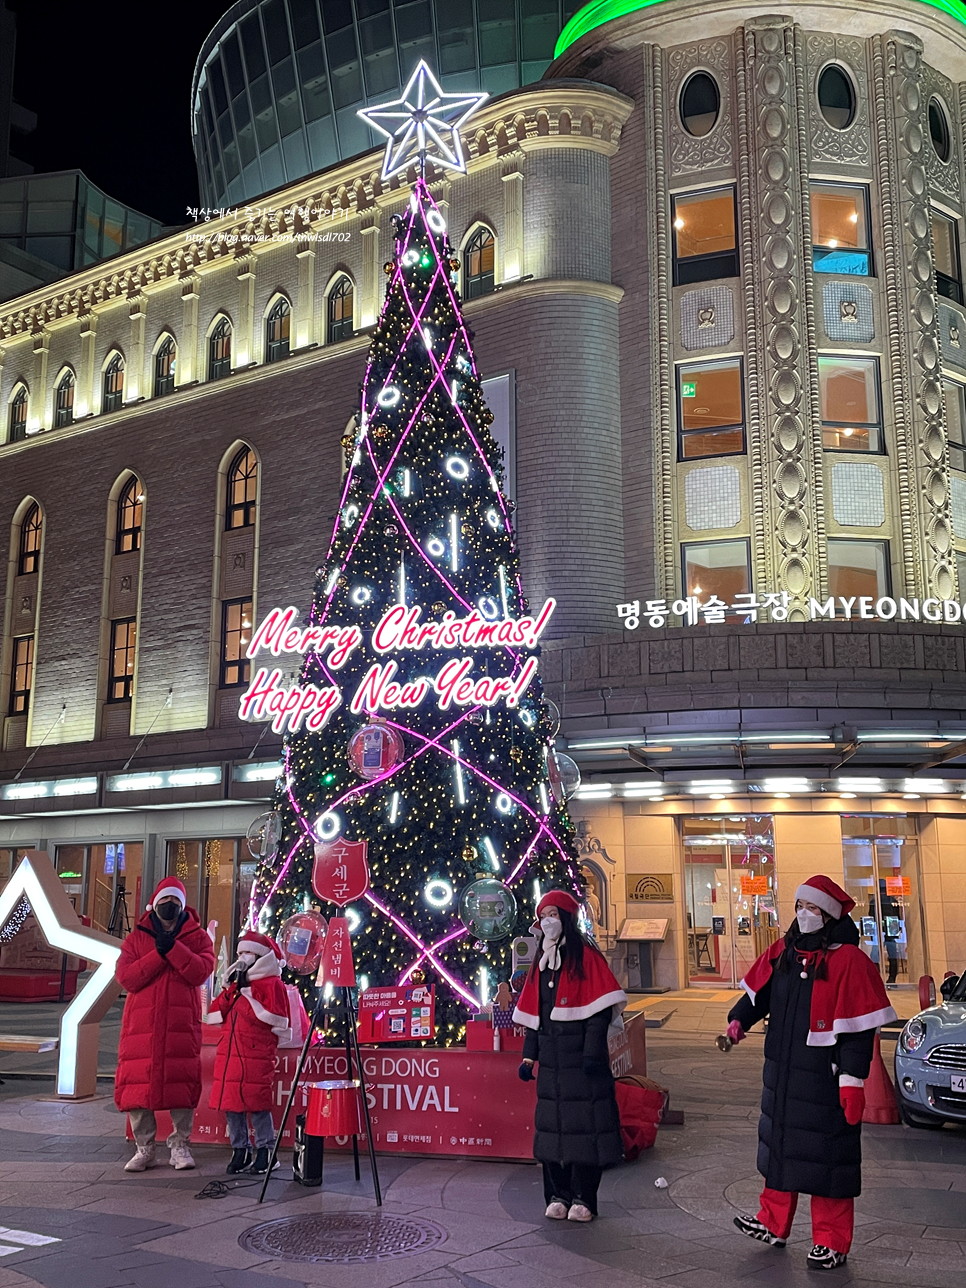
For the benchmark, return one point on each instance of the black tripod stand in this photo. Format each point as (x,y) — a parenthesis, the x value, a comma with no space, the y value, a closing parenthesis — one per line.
(351,1051)
(120,922)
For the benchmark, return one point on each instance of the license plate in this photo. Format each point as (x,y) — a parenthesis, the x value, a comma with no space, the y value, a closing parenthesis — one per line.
(957,1082)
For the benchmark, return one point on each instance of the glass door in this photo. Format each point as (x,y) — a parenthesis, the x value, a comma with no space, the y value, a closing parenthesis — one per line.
(731,895)
(881,862)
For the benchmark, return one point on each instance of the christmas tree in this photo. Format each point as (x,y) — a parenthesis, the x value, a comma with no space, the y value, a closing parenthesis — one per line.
(423,729)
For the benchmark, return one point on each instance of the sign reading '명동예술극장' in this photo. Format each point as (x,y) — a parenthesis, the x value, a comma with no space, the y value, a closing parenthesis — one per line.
(774,607)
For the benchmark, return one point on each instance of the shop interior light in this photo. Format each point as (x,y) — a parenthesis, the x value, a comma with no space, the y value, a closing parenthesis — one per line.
(194,777)
(926,785)
(25,791)
(847,796)
(785,785)
(266,771)
(134,782)
(75,786)
(911,796)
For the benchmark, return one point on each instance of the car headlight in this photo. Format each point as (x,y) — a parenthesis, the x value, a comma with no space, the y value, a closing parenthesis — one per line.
(912,1036)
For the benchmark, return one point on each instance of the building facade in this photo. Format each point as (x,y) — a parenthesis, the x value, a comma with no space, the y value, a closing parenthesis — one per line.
(716,292)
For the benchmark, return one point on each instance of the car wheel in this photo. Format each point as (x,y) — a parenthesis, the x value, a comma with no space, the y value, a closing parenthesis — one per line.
(920,1120)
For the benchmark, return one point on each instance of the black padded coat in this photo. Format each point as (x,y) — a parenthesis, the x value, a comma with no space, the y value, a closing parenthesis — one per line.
(576,1119)
(804,1143)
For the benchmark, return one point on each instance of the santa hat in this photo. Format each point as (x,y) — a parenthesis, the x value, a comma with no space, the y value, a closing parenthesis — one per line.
(252,942)
(559,899)
(825,894)
(169,888)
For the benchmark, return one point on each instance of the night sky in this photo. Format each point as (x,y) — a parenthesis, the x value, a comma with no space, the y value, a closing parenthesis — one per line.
(111,86)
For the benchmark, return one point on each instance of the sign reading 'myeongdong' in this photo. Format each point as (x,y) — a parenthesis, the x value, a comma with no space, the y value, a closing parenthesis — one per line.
(773,607)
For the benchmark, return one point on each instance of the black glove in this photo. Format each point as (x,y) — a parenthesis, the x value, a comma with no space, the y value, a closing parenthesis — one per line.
(525,1072)
(164,941)
(594,1068)
(241,977)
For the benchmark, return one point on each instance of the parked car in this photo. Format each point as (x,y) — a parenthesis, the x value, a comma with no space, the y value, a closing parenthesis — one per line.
(931,1059)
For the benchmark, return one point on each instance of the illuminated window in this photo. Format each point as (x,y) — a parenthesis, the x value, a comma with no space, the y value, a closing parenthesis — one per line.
(219,350)
(113,384)
(945,249)
(236,631)
(18,416)
(123,647)
(64,409)
(164,366)
(710,410)
(129,506)
(836,97)
(21,674)
(721,568)
(277,328)
(705,245)
(851,418)
(339,319)
(840,229)
(954,396)
(31,534)
(699,104)
(479,264)
(242,488)
(858,568)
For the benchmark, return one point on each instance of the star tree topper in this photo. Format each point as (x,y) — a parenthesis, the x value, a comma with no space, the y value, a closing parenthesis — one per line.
(424,118)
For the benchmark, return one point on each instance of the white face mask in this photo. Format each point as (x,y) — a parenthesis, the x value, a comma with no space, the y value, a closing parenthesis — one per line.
(247,959)
(551,927)
(809,922)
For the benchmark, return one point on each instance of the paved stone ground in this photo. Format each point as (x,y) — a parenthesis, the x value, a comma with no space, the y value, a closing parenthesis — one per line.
(61,1178)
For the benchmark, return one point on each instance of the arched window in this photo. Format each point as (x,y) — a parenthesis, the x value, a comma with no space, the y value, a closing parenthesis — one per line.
(113,384)
(479,259)
(219,350)
(64,410)
(277,328)
(129,505)
(340,311)
(31,535)
(242,487)
(164,364)
(18,416)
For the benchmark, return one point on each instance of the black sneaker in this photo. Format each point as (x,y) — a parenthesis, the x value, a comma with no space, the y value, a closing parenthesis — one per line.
(754,1229)
(260,1165)
(822,1258)
(240,1158)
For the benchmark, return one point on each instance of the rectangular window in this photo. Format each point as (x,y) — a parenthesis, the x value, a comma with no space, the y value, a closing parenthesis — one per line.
(721,568)
(705,236)
(21,675)
(236,631)
(851,413)
(945,249)
(961,572)
(858,568)
(840,229)
(954,396)
(710,410)
(123,647)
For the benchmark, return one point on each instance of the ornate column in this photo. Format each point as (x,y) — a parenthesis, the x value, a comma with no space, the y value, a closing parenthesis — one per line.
(244,354)
(134,372)
(369,292)
(188,349)
(305,300)
(913,362)
(512,225)
(85,392)
(41,403)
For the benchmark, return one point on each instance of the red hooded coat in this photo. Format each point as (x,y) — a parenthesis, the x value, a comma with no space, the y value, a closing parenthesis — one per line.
(159,1057)
(255,1019)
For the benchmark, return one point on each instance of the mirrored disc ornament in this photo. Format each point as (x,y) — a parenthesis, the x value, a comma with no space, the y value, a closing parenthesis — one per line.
(564,776)
(488,909)
(552,717)
(264,835)
(302,939)
(374,749)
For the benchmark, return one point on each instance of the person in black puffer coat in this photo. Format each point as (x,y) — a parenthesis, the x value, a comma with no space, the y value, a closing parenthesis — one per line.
(567,1004)
(824,1000)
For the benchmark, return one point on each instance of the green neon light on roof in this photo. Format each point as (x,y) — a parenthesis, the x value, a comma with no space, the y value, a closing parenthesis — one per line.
(598,12)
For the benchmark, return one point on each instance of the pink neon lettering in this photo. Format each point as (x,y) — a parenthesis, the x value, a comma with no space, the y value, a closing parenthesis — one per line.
(522,681)
(268,636)
(386,634)
(348,639)
(446,681)
(368,696)
(264,699)
(541,622)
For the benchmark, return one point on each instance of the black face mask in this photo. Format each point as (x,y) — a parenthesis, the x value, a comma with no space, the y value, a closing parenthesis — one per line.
(168,910)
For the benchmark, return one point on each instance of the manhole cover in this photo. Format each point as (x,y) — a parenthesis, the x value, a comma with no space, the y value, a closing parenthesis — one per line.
(344,1237)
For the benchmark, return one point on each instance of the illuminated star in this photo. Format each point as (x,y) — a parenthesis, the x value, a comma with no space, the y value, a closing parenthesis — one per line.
(36,879)
(423,119)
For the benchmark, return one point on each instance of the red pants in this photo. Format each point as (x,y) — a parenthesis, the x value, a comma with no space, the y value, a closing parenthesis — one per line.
(832,1219)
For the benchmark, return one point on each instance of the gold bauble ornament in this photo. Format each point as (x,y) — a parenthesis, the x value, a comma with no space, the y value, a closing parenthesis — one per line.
(469,854)
(388,267)
(516,754)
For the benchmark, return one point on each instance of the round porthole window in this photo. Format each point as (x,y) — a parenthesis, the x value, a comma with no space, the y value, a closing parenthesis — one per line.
(939,130)
(836,97)
(699,104)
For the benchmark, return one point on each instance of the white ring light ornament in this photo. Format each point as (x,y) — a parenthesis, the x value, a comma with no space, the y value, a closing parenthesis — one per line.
(438,893)
(327,826)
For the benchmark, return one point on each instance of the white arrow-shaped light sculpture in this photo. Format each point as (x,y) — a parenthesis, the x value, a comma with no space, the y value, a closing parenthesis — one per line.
(37,881)
(425,122)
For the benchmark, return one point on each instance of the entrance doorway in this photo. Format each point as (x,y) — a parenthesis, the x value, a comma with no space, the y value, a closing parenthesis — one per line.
(880,855)
(731,895)
(103,882)
(218,874)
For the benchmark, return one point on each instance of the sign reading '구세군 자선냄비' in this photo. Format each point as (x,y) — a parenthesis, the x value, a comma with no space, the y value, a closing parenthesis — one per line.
(749,608)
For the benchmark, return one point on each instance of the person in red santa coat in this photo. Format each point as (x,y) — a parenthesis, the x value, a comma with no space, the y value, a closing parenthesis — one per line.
(255,1014)
(825,1000)
(163,963)
(567,1004)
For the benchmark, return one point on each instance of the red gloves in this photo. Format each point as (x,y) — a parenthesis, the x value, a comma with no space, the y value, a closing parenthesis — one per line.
(735,1031)
(852,1100)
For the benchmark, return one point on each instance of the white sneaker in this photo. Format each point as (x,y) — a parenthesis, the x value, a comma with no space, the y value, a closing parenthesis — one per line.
(181,1158)
(556,1211)
(579,1213)
(142,1160)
